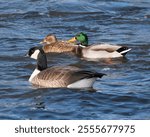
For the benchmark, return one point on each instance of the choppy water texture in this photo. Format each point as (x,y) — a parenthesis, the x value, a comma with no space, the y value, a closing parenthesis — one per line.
(123,94)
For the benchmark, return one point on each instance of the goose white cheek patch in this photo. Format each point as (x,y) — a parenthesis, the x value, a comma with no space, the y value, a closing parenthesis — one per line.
(35,54)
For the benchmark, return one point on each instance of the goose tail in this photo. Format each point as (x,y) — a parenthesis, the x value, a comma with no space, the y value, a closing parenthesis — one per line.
(99,75)
(90,74)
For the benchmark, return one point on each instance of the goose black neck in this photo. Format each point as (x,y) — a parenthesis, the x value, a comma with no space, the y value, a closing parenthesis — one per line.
(41,61)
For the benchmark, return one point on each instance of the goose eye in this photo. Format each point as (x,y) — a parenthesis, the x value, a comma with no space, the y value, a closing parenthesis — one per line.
(31,51)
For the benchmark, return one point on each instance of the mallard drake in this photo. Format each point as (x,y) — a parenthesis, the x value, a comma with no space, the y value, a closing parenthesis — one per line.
(51,44)
(56,77)
(96,51)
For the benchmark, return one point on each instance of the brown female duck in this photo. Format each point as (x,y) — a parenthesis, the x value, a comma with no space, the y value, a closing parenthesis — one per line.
(51,44)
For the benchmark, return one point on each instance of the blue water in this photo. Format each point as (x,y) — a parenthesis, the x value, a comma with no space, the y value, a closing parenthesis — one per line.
(123,94)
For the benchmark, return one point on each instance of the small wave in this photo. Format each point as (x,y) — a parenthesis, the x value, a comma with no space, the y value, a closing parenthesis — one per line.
(27,15)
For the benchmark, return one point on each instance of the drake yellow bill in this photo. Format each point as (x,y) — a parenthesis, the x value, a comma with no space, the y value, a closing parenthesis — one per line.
(72,40)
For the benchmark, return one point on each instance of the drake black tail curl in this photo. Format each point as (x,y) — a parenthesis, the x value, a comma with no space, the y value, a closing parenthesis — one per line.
(123,50)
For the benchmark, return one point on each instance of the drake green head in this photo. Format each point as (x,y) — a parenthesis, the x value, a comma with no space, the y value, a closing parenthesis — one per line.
(81,37)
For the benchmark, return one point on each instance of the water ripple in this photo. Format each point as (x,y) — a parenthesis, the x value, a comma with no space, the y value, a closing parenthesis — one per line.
(122,94)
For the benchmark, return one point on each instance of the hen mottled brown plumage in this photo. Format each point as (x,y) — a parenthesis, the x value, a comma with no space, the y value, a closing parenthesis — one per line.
(59,47)
(53,45)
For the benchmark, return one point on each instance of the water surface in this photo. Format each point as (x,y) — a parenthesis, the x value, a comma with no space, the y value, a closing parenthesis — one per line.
(123,94)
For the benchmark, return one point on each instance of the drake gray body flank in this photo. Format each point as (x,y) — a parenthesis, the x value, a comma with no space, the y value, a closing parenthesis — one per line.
(98,51)
(101,51)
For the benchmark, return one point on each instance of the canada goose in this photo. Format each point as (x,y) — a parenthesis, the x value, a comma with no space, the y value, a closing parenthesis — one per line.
(51,44)
(54,77)
(98,50)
